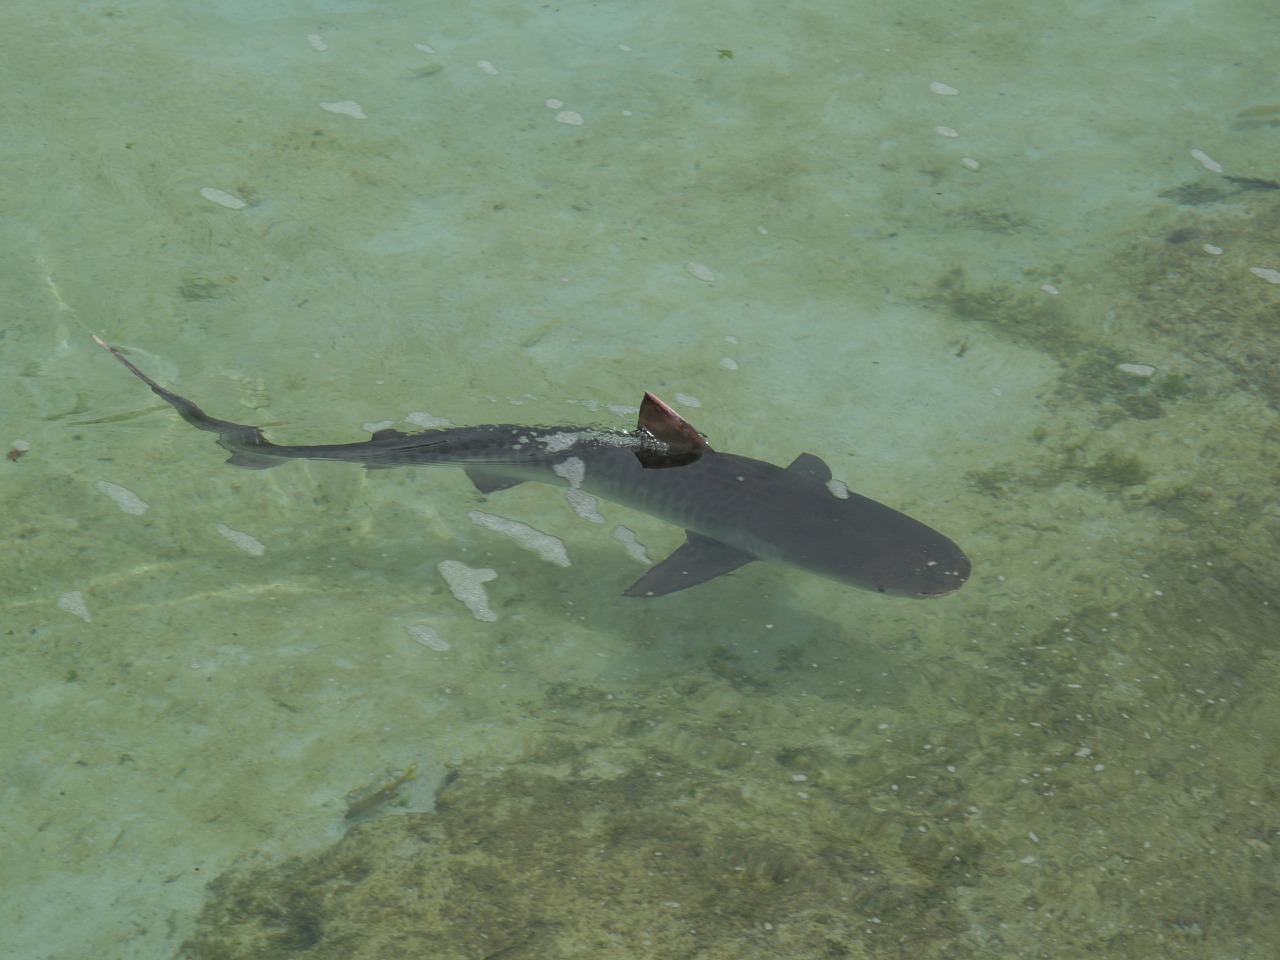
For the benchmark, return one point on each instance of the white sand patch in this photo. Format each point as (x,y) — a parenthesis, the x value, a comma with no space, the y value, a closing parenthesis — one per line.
(426,636)
(635,549)
(572,470)
(347,108)
(125,499)
(222,198)
(1206,161)
(543,544)
(584,505)
(700,271)
(73,603)
(249,544)
(467,586)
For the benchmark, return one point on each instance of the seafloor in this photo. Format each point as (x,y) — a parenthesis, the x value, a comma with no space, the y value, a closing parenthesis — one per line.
(1012,268)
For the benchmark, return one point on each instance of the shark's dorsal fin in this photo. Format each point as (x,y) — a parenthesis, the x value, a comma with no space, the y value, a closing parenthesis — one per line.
(683,444)
(699,560)
(807,465)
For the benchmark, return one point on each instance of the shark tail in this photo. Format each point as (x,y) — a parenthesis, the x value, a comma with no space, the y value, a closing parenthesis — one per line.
(246,444)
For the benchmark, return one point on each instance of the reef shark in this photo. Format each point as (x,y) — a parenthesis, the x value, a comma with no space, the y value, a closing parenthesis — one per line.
(733,509)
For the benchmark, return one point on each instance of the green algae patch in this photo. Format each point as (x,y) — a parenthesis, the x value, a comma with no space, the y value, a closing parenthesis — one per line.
(524,864)
(1115,469)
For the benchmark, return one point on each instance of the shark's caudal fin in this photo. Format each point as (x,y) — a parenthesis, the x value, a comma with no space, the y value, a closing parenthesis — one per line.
(238,438)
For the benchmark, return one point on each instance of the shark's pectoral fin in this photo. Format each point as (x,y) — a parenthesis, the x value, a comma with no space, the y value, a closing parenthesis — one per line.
(699,560)
(488,482)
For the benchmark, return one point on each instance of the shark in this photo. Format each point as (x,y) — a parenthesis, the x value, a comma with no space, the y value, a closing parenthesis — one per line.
(734,510)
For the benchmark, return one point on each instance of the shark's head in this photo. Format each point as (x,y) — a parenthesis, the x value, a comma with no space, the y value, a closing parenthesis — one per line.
(921,570)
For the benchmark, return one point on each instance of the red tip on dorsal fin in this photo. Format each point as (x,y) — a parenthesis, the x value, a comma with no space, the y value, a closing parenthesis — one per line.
(683,444)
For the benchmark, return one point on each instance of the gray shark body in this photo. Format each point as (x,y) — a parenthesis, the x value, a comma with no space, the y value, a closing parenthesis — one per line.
(734,509)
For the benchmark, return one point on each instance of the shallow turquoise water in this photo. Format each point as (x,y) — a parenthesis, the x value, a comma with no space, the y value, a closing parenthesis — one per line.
(917,242)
